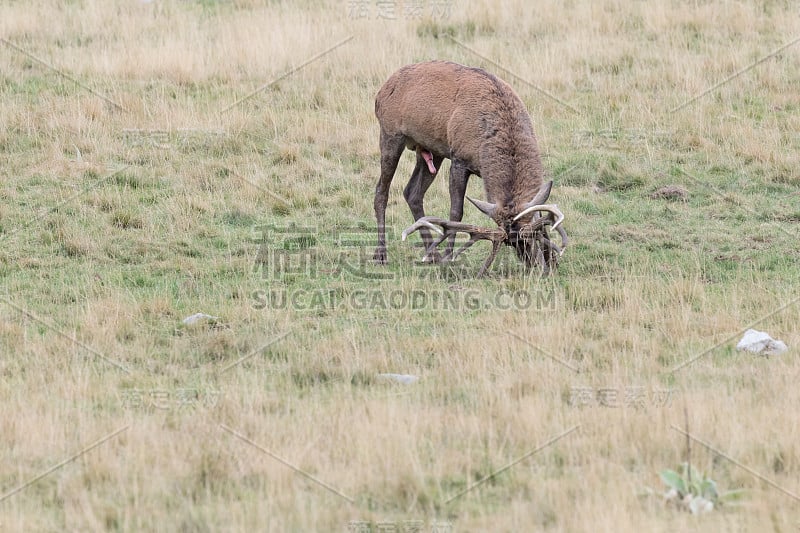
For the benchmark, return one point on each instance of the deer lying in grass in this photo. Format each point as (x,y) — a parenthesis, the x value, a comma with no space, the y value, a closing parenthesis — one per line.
(446,110)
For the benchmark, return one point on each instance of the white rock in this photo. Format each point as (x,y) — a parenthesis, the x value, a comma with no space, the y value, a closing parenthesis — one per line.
(189,320)
(405,379)
(760,343)
(700,505)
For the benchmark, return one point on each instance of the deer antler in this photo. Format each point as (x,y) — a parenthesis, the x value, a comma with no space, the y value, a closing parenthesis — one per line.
(496,236)
(536,229)
(550,208)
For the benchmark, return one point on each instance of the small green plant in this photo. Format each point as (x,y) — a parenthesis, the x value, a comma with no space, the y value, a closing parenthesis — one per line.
(692,491)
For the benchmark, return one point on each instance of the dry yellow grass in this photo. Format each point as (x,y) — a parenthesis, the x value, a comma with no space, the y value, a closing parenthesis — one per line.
(130,200)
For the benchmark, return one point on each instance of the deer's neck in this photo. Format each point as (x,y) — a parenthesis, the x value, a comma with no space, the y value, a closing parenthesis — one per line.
(511,169)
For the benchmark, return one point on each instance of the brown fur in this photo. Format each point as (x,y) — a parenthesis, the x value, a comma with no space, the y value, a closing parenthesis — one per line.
(463,114)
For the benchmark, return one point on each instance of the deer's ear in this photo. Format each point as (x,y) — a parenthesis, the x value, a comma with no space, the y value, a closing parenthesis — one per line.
(485,207)
(541,197)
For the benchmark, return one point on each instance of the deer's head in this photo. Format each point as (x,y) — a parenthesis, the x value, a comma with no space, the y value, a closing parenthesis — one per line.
(525,229)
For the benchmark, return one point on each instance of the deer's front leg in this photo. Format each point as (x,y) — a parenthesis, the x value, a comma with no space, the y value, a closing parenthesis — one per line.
(459,176)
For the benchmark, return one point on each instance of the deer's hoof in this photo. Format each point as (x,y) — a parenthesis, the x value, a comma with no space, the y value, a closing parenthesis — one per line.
(379,257)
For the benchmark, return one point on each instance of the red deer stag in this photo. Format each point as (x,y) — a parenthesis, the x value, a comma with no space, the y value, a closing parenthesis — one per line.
(446,110)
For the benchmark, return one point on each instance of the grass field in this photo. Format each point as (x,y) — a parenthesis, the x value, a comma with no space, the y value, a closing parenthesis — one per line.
(167,158)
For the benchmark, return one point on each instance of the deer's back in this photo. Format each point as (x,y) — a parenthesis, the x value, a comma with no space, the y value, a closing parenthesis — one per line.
(450,109)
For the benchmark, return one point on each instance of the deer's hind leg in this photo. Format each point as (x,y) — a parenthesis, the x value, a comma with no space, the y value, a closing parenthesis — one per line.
(414,193)
(391,149)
